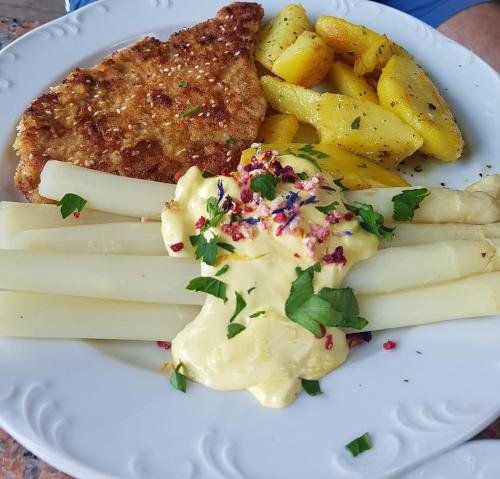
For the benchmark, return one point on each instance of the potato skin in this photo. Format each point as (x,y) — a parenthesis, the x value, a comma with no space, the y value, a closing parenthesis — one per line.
(357,173)
(279,128)
(405,89)
(305,62)
(281,32)
(346,82)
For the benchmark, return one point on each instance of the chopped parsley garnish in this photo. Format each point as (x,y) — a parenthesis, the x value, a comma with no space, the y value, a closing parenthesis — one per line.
(328,208)
(360,444)
(371,221)
(207,174)
(240,306)
(222,270)
(311,387)
(432,106)
(233,329)
(215,214)
(309,150)
(344,302)
(178,380)
(206,284)
(251,289)
(205,249)
(303,176)
(362,165)
(257,314)
(407,202)
(338,182)
(71,203)
(264,184)
(230,141)
(355,123)
(191,111)
(183,84)
(226,246)
(489,166)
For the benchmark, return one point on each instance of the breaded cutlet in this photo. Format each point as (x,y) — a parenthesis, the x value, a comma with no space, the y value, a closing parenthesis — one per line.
(154,109)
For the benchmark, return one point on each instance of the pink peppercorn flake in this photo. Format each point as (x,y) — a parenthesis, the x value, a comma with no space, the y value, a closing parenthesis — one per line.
(322,331)
(246,195)
(76,214)
(389,345)
(348,216)
(225,172)
(280,218)
(337,257)
(176,247)
(267,154)
(200,223)
(329,342)
(164,344)
(178,176)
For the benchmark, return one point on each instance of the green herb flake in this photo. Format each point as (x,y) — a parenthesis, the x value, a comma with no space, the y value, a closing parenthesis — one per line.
(344,302)
(309,150)
(303,176)
(257,314)
(206,284)
(226,246)
(183,84)
(328,208)
(191,111)
(233,329)
(251,289)
(359,445)
(264,184)
(207,174)
(407,202)
(338,183)
(230,141)
(215,214)
(223,270)
(355,123)
(432,106)
(71,203)
(240,306)
(362,165)
(178,380)
(311,387)
(371,221)
(489,166)
(205,249)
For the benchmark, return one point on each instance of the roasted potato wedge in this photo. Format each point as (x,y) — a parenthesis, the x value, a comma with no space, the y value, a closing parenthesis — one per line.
(294,99)
(358,126)
(280,128)
(356,173)
(346,82)
(405,89)
(305,62)
(281,32)
(306,134)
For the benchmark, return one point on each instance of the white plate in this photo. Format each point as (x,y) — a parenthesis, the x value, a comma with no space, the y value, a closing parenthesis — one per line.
(103,411)
(472,460)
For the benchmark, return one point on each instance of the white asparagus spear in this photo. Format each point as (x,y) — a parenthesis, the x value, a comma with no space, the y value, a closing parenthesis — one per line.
(47,316)
(104,191)
(488,184)
(16,217)
(114,238)
(470,297)
(406,267)
(155,279)
(408,234)
(441,206)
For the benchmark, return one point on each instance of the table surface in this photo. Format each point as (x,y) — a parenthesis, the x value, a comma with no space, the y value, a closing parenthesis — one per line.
(15,461)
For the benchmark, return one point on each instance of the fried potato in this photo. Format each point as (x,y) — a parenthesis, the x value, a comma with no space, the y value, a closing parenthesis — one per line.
(306,134)
(346,82)
(358,126)
(355,173)
(280,128)
(281,32)
(305,62)
(405,89)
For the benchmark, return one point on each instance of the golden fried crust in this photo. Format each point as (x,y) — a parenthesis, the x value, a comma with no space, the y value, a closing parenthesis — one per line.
(128,115)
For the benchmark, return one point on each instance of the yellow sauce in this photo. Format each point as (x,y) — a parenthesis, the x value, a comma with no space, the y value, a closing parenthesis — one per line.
(273,353)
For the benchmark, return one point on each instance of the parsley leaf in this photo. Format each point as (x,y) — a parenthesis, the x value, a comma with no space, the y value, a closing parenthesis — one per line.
(233,329)
(240,305)
(303,176)
(311,387)
(191,111)
(226,246)
(360,444)
(230,141)
(222,270)
(206,250)
(344,302)
(207,174)
(328,208)
(251,289)
(215,214)
(265,184)
(206,284)
(183,84)
(309,149)
(311,159)
(178,380)
(407,202)
(338,182)
(371,221)
(362,165)
(70,203)
(257,314)
(355,123)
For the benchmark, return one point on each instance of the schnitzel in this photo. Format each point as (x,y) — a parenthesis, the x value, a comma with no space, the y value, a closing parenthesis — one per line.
(154,109)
